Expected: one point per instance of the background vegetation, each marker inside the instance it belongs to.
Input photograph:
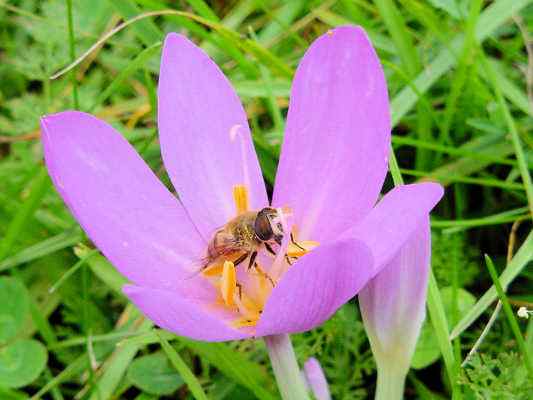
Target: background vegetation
(460, 78)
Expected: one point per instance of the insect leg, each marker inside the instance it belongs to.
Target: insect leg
(260, 271)
(252, 260)
(269, 249)
(296, 244)
(241, 259)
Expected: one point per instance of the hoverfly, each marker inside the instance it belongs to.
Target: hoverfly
(244, 236)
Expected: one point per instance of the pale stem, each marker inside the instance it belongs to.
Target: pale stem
(286, 370)
(390, 383)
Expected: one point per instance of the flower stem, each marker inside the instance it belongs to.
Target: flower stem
(285, 367)
(390, 384)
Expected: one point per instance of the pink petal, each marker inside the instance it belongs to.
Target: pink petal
(119, 202)
(198, 109)
(394, 219)
(315, 287)
(316, 379)
(334, 155)
(393, 303)
(183, 316)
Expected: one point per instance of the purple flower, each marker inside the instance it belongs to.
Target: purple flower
(316, 380)
(393, 309)
(332, 166)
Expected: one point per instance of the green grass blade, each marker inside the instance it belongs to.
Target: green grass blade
(137, 63)
(379, 40)
(45, 247)
(102, 268)
(71, 271)
(399, 34)
(234, 365)
(203, 9)
(510, 316)
(38, 188)
(411, 62)
(501, 218)
(490, 19)
(456, 151)
(522, 257)
(115, 367)
(509, 89)
(72, 51)
(461, 75)
(145, 29)
(440, 327)
(446, 179)
(519, 151)
(177, 362)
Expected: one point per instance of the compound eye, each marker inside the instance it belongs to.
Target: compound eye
(262, 228)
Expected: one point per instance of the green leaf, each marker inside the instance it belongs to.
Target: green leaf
(14, 307)
(21, 363)
(154, 374)
(427, 348)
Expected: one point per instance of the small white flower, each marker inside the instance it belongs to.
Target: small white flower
(523, 312)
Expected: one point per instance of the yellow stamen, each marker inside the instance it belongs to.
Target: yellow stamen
(243, 323)
(246, 299)
(247, 307)
(228, 284)
(241, 198)
(300, 249)
(287, 211)
(263, 285)
(214, 269)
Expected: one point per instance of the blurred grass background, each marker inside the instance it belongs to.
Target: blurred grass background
(460, 77)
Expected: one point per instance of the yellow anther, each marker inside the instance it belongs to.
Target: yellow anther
(214, 269)
(241, 198)
(299, 249)
(246, 298)
(287, 211)
(243, 323)
(228, 284)
(265, 284)
(247, 307)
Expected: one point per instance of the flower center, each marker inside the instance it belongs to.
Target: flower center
(249, 255)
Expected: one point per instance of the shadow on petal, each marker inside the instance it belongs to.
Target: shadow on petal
(190, 317)
(316, 286)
